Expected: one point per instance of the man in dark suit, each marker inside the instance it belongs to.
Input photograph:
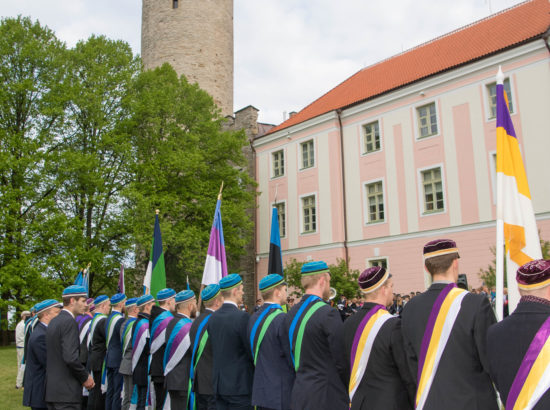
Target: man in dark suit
(527, 329)
(233, 368)
(125, 368)
(201, 372)
(270, 348)
(35, 377)
(97, 349)
(161, 315)
(379, 375)
(177, 355)
(113, 356)
(460, 373)
(65, 375)
(140, 350)
(84, 321)
(318, 348)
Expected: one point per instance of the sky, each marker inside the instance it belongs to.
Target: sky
(288, 53)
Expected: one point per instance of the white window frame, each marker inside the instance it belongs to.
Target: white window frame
(271, 159)
(486, 104)
(301, 154)
(364, 137)
(366, 212)
(301, 198)
(368, 261)
(418, 137)
(286, 215)
(421, 190)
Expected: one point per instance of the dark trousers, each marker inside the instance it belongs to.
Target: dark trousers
(96, 399)
(178, 399)
(64, 406)
(233, 403)
(128, 387)
(160, 393)
(142, 397)
(114, 388)
(206, 402)
(39, 408)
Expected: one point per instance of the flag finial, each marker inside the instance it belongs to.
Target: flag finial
(220, 193)
(157, 211)
(500, 76)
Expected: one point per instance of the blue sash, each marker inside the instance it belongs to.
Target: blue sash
(297, 317)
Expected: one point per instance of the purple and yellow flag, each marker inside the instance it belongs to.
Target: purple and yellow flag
(514, 206)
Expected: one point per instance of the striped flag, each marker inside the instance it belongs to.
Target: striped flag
(275, 264)
(120, 288)
(82, 279)
(155, 277)
(215, 267)
(514, 206)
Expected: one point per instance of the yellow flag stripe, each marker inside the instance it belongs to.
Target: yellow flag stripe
(510, 162)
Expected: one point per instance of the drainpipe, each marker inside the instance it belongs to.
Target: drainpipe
(339, 115)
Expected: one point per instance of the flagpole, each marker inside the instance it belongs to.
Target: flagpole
(499, 273)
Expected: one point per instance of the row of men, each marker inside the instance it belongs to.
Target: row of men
(445, 351)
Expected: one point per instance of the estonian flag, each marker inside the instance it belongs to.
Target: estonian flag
(275, 264)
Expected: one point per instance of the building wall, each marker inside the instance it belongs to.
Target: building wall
(463, 148)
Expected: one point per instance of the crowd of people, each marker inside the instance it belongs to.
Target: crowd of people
(440, 349)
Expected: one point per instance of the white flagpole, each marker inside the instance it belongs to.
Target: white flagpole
(499, 303)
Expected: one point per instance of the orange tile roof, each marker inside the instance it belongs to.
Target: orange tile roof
(509, 28)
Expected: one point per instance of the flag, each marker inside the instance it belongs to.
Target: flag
(120, 288)
(215, 267)
(82, 279)
(188, 287)
(514, 206)
(155, 277)
(275, 264)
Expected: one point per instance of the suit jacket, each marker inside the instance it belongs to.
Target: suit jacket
(203, 371)
(233, 369)
(97, 350)
(156, 369)
(323, 376)
(462, 379)
(126, 362)
(113, 357)
(274, 374)
(178, 378)
(82, 320)
(141, 371)
(35, 369)
(387, 382)
(64, 372)
(518, 331)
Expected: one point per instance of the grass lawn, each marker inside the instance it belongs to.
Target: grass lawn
(12, 399)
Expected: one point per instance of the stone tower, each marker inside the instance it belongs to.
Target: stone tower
(196, 38)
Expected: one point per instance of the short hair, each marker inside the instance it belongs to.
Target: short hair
(440, 264)
(309, 281)
(164, 302)
(268, 294)
(226, 293)
(67, 299)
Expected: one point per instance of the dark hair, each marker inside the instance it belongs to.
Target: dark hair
(440, 264)
(67, 299)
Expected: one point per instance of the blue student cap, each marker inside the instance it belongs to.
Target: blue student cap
(165, 294)
(271, 281)
(131, 302)
(116, 299)
(314, 268)
(143, 300)
(74, 291)
(230, 281)
(100, 299)
(210, 292)
(184, 296)
(46, 304)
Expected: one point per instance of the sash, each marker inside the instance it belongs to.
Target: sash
(84, 330)
(296, 347)
(177, 345)
(158, 330)
(97, 317)
(440, 324)
(29, 326)
(141, 333)
(198, 347)
(362, 344)
(533, 377)
(126, 334)
(109, 329)
(265, 325)
(261, 316)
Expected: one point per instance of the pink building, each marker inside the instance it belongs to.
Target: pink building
(403, 152)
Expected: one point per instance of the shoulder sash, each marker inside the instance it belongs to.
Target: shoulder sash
(141, 333)
(533, 377)
(84, 330)
(110, 326)
(126, 334)
(440, 324)
(158, 330)
(259, 319)
(363, 341)
(265, 326)
(97, 318)
(177, 344)
(198, 347)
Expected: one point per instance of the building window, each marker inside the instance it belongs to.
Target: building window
(282, 218)
(433, 190)
(174, 4)
(278, 160)
(372, 137)
(309, 214)
(427, 120)
(383, 262)
(375, 202)
(308, 156)
(492, 94)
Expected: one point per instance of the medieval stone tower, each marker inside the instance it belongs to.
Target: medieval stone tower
(196, 38)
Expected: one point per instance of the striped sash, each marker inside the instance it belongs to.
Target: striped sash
(177, 344)
(362, 344)
(141, 333)
(158, 330)
(265, 320)
(198, 347)
(533, 377)
(112, 320)
(97, 318)
(311, 305)
(440, 324)
(126, 334)
(84, 330)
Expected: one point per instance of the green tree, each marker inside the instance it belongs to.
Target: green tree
(182, 156)
(32, 101)
(343, 279)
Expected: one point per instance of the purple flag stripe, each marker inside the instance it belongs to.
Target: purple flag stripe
(527, 363)
(179, 337)
(430, 327)
(359, 332)
(503, 115)
(162, 326)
